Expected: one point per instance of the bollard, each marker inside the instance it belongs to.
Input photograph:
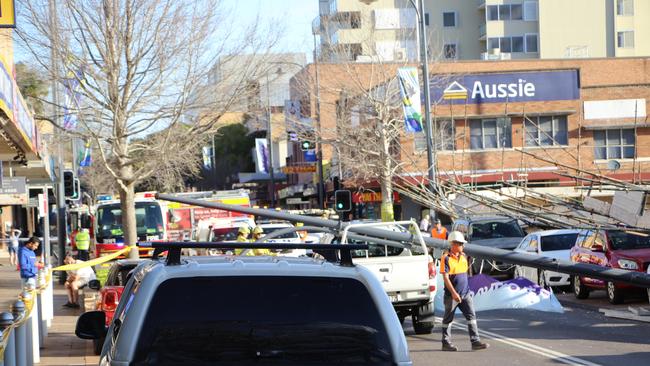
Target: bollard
(39, 320)
(34, 322)
(6, 320)
(29, 342)
(18, 311)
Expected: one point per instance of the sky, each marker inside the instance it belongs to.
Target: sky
(295, 15)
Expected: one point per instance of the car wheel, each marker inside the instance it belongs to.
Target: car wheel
(614, 294)
(423, 319)
(581, 291)
(98, 344)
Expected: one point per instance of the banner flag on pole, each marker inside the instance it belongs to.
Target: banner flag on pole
(207, 157)
(409, 87)
(262, 155)
(85, 159)
(71, 100)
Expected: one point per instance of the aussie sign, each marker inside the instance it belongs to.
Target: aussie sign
(510, 87)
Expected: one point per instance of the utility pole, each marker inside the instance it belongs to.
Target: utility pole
(269, 137)
(60, 196)
(319, 144)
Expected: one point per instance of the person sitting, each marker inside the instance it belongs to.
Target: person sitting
(77, 279)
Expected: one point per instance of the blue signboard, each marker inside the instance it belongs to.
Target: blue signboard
(510, 87)
(310, 155)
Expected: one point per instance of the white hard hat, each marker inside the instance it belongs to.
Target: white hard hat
(457, 236)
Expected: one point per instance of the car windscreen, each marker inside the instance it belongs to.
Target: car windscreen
(225, 234)
(268, 230)
(558, 242)
(496, 229)
(622, 240)
(262, 319)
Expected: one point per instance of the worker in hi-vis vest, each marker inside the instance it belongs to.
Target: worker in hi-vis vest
(82, 241)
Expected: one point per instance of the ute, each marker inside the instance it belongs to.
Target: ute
(407, 274)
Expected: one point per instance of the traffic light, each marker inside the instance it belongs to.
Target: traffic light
(342, 201)
(68, 184)
(306, 145)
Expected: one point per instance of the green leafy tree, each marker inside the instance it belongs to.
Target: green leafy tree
(32, 85)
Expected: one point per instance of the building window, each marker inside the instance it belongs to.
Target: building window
(443, 139)
(530, 10)
(625, 39)
(531, 43)
(493, 43)
(493, 12)
(449, 19)
(516, 12)
(450, 51)
(625, 7)
(426, 19)
(546, 131)
(504, 12)
(492, 133)
(614, 144)
(517, 44)
(506, 44)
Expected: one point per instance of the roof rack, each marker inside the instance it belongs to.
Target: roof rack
(173, 249)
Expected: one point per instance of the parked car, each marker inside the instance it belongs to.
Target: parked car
(250, 310)
(614, 248)
(495, 232)
(111, 292)
(549, 243)
(407, 275)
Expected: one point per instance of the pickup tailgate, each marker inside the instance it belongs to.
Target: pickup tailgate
(402, 273)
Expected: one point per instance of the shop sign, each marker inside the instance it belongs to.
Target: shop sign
(14, 191)
(368, 197)
(296, 201)
(296, 169)
(509, 87)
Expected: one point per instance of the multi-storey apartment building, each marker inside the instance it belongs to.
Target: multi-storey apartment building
(358, 30)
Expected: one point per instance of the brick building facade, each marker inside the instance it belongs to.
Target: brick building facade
(602, 128)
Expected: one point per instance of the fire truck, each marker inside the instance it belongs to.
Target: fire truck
(184, 219)
(150, 218)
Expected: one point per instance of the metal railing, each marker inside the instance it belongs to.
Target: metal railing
(24, 328)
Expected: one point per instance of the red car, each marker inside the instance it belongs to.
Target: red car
(111, 292)
(622, 249)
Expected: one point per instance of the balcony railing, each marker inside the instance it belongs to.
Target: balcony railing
(495, 56)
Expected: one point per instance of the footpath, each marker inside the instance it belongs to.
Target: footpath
(61, 346)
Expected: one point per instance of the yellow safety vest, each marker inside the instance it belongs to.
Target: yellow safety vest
(82, 240)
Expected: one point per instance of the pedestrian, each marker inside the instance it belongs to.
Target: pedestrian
(439, 231)
(76, 279)
(82, 241)
(424, 223)
(242, 237)
(14, 237)
(258, 233)
(27, 262)
(454, 268)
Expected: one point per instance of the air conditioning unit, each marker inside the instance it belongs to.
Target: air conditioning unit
(400, 54)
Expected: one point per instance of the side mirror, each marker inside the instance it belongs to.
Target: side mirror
(95, 285)
(597, 248)
(173, 218)
(91, 325)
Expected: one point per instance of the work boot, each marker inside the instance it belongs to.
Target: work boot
(478, 345)
(449, 347)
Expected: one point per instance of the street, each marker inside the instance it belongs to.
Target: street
(578, 337)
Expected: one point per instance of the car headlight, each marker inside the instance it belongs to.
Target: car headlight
(627, 264)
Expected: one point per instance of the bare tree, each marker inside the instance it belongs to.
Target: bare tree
(141, 66)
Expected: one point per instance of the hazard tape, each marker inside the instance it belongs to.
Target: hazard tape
(93, 262)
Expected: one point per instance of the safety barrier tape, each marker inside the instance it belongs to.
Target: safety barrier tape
(93, 262)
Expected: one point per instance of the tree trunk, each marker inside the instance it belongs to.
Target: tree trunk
(387, 213)
(129, 227)
(385, 178)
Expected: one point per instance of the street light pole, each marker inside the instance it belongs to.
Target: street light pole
(319, 144)
(269, 141)
(424, 58)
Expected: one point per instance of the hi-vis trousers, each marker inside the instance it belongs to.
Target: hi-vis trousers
(466, 306)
